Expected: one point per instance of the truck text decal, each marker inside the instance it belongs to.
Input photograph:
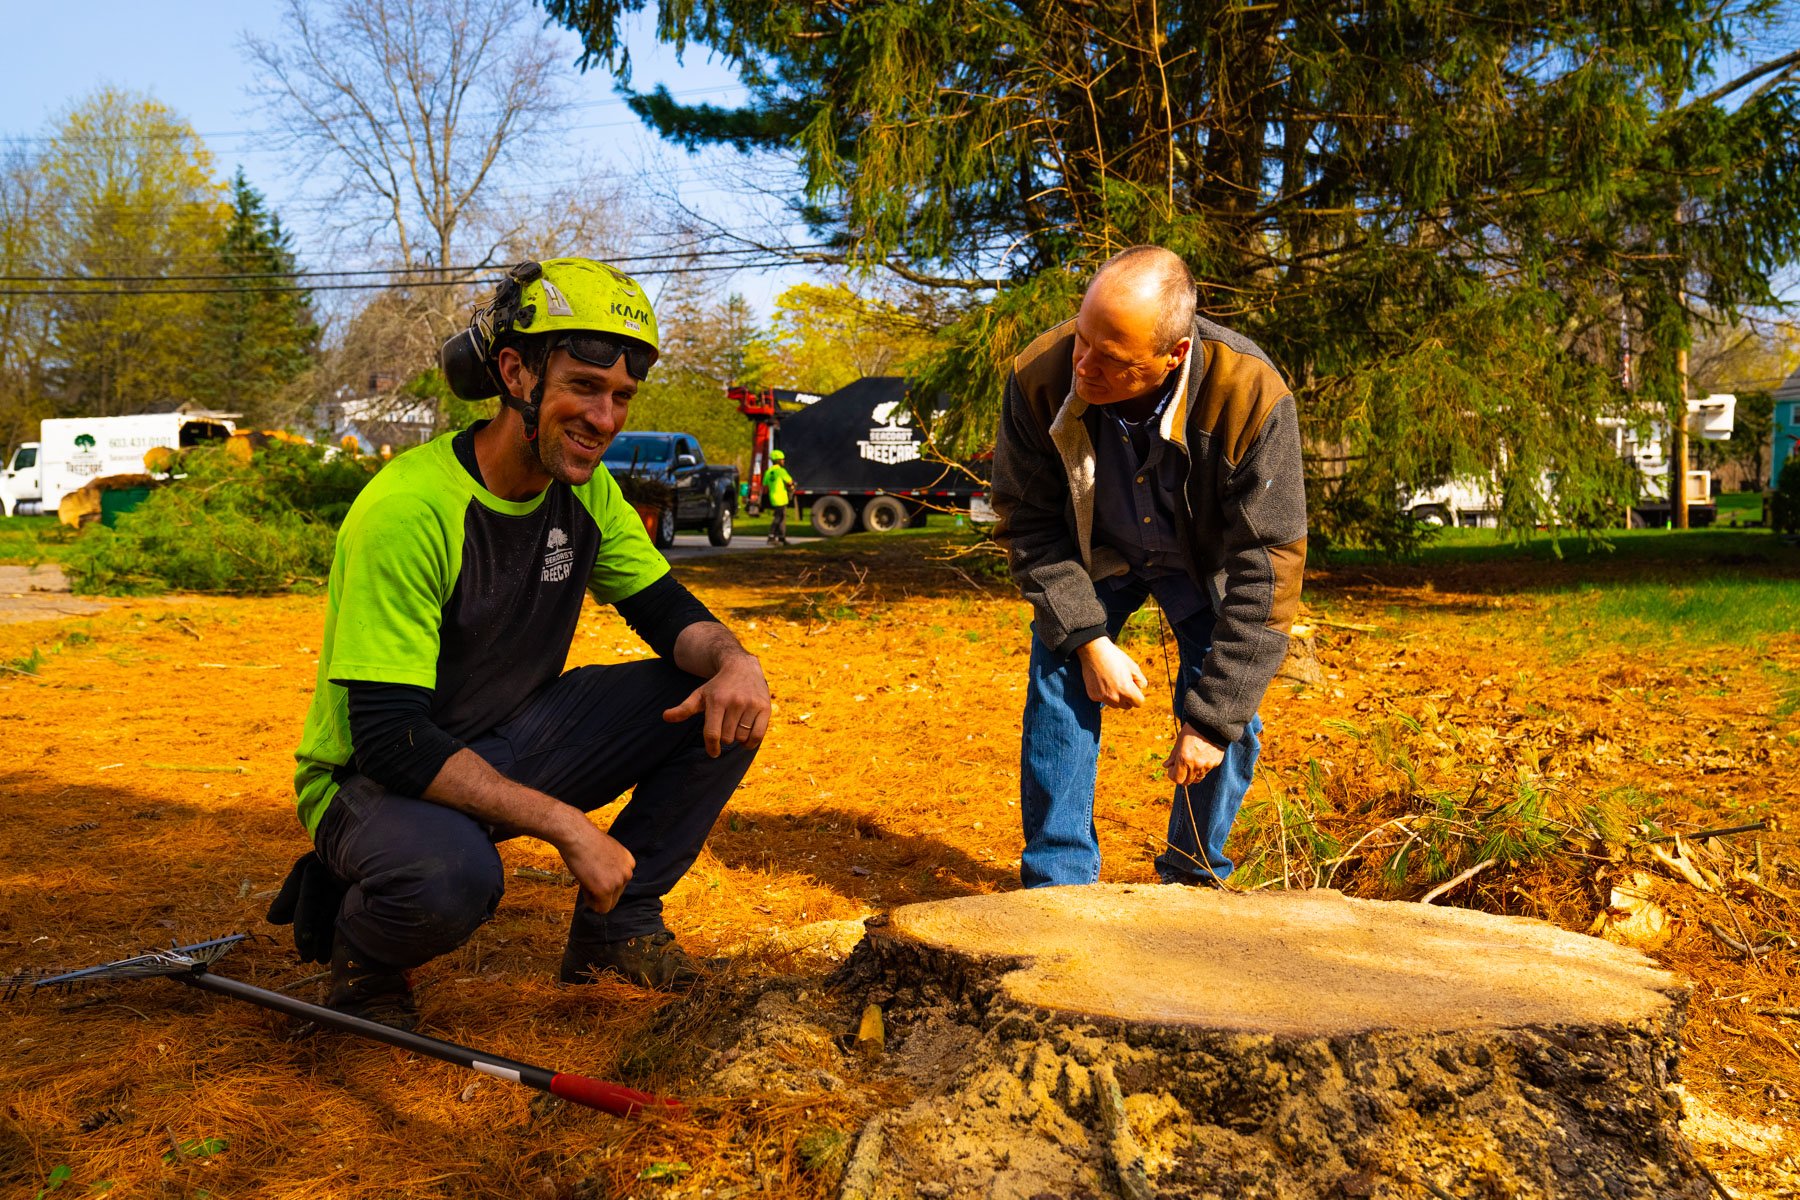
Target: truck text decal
(892, 442)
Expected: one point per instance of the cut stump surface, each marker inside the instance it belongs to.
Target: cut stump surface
(1139, 1041)
(1313, 963)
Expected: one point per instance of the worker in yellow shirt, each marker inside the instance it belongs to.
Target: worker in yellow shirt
(778, 490)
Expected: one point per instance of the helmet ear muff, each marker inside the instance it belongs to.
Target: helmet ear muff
(467, 369)
(468, 359)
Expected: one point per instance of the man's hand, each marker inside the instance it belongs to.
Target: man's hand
(735, 701)
(1192, 757)
(600, 865)
(1112, 678)
(469, 784)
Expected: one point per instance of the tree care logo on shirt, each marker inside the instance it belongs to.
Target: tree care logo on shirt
(559, 558)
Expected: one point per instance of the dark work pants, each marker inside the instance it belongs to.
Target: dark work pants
(424, 877)
(778, 530)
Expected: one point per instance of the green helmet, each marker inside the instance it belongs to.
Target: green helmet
(571, 294)
(595, 311)
(778, 455)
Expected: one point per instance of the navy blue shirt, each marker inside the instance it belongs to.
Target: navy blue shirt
(1137, 486)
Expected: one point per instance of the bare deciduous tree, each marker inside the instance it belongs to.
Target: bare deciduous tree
(411, 108)
(25, 324)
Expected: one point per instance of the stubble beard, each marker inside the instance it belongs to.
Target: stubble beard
(549, 455)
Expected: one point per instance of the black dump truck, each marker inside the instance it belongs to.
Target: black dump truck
(667, 471)
(859, 461)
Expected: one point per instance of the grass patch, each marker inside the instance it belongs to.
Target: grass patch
(1458, 547)
(1787, 688)
(1729, 608)
(1740, 508)
(27, 541)
(29, 664)
(1406, 804)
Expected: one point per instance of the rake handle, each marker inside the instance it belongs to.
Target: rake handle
(612, 1098)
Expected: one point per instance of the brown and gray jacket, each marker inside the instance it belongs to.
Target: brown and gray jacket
(1243, 523)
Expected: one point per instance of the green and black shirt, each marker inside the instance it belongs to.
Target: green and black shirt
(439, 584)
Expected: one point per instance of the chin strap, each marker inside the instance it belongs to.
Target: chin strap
(529, 407)
(529, 410)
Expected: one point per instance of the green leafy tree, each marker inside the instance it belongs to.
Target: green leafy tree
(130, 192)
(822, 337)
(705, 341)
(260, 334)
(1356, 187)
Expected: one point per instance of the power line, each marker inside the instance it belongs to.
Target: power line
(708, 172)
(176, 134)
(766, 264)
(475, 268)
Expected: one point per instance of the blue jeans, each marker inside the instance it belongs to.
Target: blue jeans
(1061, 748)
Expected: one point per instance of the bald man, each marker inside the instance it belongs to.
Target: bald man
(1144, 451)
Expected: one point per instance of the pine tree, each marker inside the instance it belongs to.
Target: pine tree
(1433, 216)
(260, 333)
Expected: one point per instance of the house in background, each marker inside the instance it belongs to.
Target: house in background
(376, 421)
(1785, 432)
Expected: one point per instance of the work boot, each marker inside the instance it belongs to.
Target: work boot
(1184, 879)
(374, 991)
(652, 961)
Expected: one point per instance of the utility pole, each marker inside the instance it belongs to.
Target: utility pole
(1678, 439)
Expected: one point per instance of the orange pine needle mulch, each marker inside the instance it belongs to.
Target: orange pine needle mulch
(146, 796)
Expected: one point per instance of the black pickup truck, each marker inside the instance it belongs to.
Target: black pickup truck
(668, 470)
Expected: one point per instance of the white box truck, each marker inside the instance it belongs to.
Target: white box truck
(1474, 501)
(71, 451)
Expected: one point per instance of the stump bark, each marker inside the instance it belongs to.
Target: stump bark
(1139, 1041)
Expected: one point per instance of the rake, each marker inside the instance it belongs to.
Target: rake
(191, 965)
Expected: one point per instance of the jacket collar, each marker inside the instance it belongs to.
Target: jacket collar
(1068, 432)
(1174, 422)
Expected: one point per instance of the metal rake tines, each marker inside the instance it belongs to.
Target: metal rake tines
(174, 961)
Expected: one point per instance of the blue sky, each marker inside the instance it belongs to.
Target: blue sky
(188, 55)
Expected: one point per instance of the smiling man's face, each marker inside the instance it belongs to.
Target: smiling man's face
(584, 409)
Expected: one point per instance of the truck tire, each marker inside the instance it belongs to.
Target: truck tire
(1435, 515)
(883, 514)
(665, 527)
(718, 531)
(832, 516)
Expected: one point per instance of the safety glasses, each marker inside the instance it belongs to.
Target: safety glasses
(604, 351)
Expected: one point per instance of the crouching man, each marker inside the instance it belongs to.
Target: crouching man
(443, 721)
(1144, 451)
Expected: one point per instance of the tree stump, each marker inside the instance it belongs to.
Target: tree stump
(1140, 1041)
